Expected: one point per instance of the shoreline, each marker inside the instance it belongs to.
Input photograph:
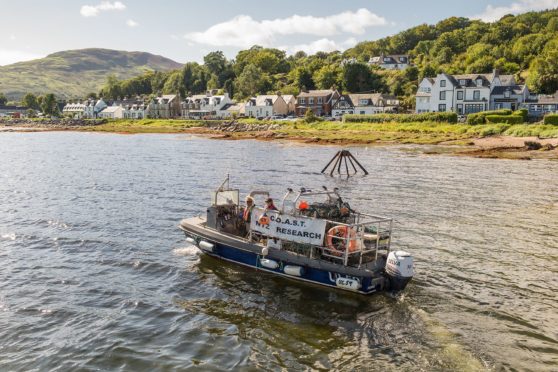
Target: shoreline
(493, 146)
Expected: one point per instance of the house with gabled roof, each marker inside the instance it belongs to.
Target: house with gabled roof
(463, 94)
(264, 106)
(319, 101)
(206, 106)
(166, 106)
(364, 104)
(391, 62)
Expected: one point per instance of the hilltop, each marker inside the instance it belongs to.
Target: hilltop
(75, 73)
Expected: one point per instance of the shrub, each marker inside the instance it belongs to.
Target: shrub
(439, 117)
(310, 117)
(524, 113)
(508, 119)
(480, 117)
(551, 119)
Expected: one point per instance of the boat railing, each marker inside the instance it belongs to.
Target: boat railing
(350, 244)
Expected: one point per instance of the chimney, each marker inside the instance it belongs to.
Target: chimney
(278, 93)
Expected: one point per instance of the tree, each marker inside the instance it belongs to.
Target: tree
(91, 95)
(30, 101)
(49, 105)
(174, 83)
(327, 77)
(357, 77)
(251, 81)
(3, 99)
(111, 89)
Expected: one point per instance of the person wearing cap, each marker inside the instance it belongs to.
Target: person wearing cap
(269, 206)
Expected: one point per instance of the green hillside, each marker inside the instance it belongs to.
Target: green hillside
(525, 45)
(75, 73)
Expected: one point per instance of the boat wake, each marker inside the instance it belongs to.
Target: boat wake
(190, 250)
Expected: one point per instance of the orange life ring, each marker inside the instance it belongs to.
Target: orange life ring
(336, 239)
(264, 220)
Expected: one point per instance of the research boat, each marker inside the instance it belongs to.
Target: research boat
(313, 236)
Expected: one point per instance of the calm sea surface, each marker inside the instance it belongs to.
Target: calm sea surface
(95, 275)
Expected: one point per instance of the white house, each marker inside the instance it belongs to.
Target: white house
(208, 106)
(266, 106)
(391, 62)
(364, 104)
(463, 94)
(166, 106)
(77, 110)
(424, 94)
(112, 112)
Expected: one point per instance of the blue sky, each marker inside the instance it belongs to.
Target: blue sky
(187, 30)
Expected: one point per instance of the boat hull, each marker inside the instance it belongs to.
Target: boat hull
(279, 263)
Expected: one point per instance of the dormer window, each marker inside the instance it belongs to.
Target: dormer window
(363, 102)
(462, 82)
(507, 94)
(479, 82)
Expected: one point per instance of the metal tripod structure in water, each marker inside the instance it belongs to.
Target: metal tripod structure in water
(343, 157)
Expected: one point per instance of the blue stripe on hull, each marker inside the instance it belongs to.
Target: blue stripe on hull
(310, 274)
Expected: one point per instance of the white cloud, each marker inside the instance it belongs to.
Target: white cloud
(12, 37)
(94, 10)
(321, 45)
(494, 13)
(131, 23)
(9, 56)
(243, 31)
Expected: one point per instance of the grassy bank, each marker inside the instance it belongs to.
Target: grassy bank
(419, 133)
(144, 126)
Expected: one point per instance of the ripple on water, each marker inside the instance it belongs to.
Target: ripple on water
(95, 274)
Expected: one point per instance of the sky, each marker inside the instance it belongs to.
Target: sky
(187, 30)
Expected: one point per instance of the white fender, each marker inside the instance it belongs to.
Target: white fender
(293, 270)
(206, 246)
(269, 264)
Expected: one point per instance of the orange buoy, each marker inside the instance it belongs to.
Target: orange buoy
(337, 237)
(264, 220)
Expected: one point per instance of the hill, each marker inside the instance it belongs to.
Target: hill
(75, 73)
(525, 45)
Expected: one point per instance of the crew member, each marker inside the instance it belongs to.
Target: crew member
(269, 206)
(247, 214)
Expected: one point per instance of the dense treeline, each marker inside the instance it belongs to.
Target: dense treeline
(525, 45)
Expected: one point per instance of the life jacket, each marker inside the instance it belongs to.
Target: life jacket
(246, 213)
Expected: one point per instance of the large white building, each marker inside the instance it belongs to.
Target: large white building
(207, 106)
(463, 94)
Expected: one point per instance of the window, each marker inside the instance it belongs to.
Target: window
(402, 59)
(442, 107)
(443, 95)
(460, 94)
(362, 112)
(363, 102)
(476, 95)
(442, 83)
(302, 101)
(311, 101)
(469, 109)
(462, 82)
(320, 100)
(479, 82)
(460, 109)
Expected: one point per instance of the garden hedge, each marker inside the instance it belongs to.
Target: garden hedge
(551, 119)
(506, 119)
(439, 117)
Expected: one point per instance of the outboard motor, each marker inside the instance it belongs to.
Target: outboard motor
(399, 270)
